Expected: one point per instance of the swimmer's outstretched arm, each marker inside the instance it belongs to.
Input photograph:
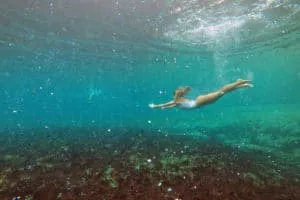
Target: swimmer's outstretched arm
(169, 104)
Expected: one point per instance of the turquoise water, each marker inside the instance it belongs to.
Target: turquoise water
(99, 63)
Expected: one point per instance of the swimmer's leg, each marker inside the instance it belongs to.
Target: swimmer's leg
(232, 86)
(212, 97)
(208, 98)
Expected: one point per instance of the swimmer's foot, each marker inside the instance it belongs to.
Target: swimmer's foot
(242, 81)
(245, 85)
(249, 85)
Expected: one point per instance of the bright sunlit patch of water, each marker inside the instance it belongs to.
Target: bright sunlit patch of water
(220, 24)
(224, 25)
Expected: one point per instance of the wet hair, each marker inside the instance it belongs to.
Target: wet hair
(181, 92)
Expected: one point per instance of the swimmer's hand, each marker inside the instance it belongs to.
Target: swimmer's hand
(151, 105)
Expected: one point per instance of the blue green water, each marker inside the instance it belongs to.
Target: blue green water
(100, 63)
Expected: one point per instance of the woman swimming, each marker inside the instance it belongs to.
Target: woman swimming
(181, 102)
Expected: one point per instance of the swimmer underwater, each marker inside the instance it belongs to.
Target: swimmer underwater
(181, 102)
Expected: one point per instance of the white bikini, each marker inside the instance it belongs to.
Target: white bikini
(187, 104)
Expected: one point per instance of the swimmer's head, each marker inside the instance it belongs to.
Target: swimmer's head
(181, 92)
